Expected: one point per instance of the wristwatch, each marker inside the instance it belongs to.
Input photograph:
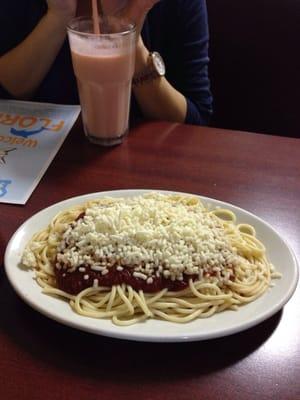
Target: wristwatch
(155, 69)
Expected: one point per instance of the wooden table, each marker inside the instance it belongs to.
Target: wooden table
(41, 359)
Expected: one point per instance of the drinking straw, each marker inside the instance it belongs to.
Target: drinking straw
(96, 21)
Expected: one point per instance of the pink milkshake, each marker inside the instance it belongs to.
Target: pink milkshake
(104, 66)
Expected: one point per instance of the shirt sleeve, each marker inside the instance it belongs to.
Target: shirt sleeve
(194, 60)
(8, 34)
(17, 19)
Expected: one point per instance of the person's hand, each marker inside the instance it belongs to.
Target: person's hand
(136, 11)
(62, 9)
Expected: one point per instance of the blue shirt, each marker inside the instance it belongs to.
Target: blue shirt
(177, 29)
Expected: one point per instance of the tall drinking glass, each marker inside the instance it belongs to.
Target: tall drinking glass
(104, 67)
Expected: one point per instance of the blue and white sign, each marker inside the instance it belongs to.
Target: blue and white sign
(30, 136)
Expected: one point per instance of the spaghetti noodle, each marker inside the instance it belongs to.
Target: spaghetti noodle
(151, 256)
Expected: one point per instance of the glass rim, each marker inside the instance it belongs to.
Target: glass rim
(131, 28)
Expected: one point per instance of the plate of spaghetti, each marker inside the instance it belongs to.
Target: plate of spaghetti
(151, 266)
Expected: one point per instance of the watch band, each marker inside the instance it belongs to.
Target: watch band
(149, 73)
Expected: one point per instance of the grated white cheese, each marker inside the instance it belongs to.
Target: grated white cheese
(153, 234)
(28, 258)
(95, 283)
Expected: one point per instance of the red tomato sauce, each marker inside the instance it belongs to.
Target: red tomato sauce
(74, 282)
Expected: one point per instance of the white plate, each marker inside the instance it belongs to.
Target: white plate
(222, 324)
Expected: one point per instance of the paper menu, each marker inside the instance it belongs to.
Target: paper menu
(30, 136)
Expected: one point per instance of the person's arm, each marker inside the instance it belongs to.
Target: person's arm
(188, 99)
(157, 98)
(23, 68)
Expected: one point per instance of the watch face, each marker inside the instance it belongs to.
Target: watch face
(159, 64)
